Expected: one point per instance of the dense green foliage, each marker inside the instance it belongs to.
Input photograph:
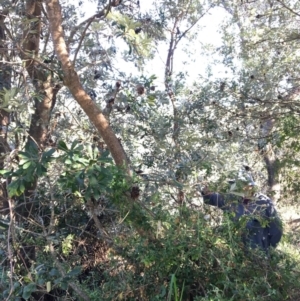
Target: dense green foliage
(73, 225)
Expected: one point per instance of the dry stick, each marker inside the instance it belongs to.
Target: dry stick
(96, 219)
(9, 249)
(52, 205)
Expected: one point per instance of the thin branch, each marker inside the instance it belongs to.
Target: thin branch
(81, 39)
(86, 22)
(288, 8)
(72, 284)
(190, 28)
(11, 237)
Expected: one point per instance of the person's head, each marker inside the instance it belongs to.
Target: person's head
(243, 186)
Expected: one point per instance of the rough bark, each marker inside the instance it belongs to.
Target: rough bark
(45, 88)
(270, 159)
(5, 83)
(72, 81)
(273, 174)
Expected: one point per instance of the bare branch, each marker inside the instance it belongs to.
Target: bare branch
(288, 8)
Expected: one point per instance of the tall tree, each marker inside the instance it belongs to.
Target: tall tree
(5, 85)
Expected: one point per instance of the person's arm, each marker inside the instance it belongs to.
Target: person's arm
(214, 199)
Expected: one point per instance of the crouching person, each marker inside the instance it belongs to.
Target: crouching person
(263, 227)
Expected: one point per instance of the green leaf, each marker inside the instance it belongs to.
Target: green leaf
(41, 170)
(23, 161)
(5, 172)
(90, 151)
(31, 149)
(16, 188)
(179, 185)
(151, 100)
(26, 164)
(68, 161)
(83, 161)
(75, 272)
(28, 290)
(53, 272)
(47, 155)
(64, 284)
(74, 144)
(3, 225)
(79, 149)
(24, 155)
(62, 146)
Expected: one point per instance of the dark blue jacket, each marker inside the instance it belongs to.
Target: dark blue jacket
(263, 227)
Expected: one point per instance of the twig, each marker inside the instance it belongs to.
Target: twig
(288, 8)
(73, 285)
(52, 216)
(9, 249)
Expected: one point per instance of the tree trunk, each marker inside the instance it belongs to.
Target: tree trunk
(42, 80)
(270, 159)
(5, 83)
(72, 81)
(45, 89)
(273, 177)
